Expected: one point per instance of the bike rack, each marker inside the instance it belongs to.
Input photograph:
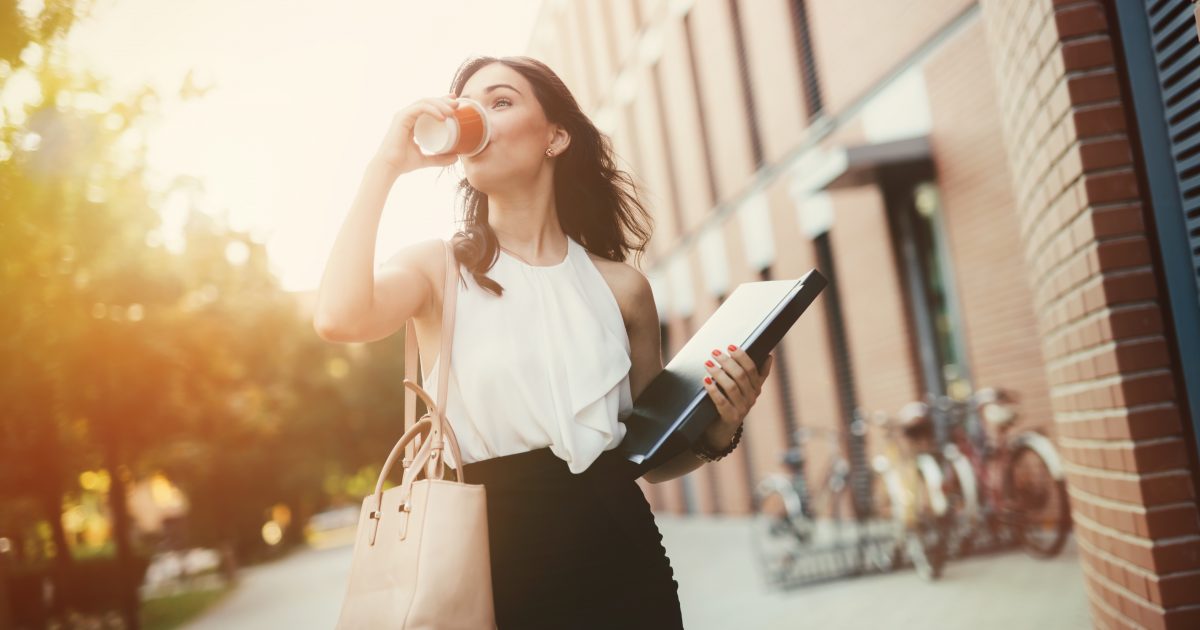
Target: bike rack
(856, 552)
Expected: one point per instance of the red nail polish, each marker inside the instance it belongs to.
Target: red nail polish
(709, 364)
(716, 353)
(732, 347)
(708, 380)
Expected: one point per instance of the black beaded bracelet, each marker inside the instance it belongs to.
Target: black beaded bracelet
(703, 452)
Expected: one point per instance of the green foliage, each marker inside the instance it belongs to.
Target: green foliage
(124, 354)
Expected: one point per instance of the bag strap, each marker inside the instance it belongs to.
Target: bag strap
(411, 357)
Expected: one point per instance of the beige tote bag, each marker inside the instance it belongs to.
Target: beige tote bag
(421, 550)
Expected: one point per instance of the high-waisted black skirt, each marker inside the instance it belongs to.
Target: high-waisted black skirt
(574, 550)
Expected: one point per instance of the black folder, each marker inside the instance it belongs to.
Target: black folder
(675, 408)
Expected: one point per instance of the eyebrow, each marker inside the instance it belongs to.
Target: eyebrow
(490, 88)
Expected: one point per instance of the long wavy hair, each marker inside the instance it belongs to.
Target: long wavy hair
(597, 203)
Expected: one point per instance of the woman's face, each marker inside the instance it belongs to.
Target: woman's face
(520, 133)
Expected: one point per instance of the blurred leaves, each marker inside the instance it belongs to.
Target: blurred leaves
(120, 352)
(18, 30)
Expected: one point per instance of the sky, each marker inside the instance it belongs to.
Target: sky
(300, 95)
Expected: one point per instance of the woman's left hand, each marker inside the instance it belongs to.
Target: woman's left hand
(740, 382)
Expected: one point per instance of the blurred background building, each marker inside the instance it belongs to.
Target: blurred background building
(1004, 193)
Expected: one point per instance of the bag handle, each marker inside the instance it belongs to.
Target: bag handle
(433, 425)
(376, 515)
(440, 426)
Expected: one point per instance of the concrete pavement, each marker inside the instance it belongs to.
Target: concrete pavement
(721, 589)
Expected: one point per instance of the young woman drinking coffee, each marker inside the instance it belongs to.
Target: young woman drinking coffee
(555, 335)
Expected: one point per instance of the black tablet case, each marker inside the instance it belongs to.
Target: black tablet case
(675, 408)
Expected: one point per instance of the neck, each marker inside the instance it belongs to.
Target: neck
(527, 223)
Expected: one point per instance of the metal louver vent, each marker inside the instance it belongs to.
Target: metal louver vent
(1177, 55)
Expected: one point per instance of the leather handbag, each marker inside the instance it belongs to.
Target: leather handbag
(421, 557)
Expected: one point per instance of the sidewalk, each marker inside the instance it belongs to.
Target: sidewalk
(720, 589)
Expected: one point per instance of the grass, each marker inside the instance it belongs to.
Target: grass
(164, 613)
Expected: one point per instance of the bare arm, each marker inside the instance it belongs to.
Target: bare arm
(734, 380)
(353, 302)
(349, 307)
(645, 345)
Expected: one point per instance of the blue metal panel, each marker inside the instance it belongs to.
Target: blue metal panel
(1162, 55)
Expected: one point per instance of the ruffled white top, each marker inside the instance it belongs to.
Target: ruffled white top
(545, 364)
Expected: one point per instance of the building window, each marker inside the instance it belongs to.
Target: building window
(756, 147)
(814, 105)
(914, 208)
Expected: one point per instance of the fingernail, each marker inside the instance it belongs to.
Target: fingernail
(716, 353)
(732, 347)
(707, 380)
(709, 364)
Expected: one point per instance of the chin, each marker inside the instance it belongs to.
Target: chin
(487, 178)
(480, 178)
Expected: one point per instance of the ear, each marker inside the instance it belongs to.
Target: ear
(559, 140)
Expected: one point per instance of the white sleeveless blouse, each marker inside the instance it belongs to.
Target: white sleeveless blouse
(545, 364)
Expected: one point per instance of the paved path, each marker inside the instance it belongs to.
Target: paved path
(720, 589)
(302, 590)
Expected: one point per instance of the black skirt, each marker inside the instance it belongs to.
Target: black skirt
(574, 550)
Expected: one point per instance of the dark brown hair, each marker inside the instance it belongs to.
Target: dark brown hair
(597, 203)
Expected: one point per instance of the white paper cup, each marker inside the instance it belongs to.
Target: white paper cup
(466, 132)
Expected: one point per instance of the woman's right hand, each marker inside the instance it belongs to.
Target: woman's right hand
(398, 152)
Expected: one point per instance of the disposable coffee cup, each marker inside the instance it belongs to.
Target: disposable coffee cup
(466, 132)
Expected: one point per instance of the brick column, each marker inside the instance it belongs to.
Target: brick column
(1100, 312)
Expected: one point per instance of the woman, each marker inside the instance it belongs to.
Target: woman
(554, 336)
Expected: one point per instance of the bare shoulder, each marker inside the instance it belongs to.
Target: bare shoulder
(631, 288)
(425, 257)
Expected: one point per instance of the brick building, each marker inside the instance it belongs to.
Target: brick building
(1005, 193)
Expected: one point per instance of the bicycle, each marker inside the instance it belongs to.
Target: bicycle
(788, 522)
(962, 508)
(1012, 488)
(788, 526)
(910, 496)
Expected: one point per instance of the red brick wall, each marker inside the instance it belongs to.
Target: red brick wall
(774, 71)
(978, 213)
(877, 329)
(857, 43)
(1099, 310)
(654, 174)
(683, 127)
(720, 88)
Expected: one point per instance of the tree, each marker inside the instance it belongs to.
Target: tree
(121, 353)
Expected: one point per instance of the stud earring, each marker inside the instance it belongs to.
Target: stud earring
(549, 152)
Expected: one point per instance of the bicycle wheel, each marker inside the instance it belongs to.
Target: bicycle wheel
(962, 496)
(1037, 507)
(778, 528)
(929, 524)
